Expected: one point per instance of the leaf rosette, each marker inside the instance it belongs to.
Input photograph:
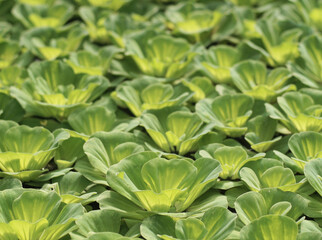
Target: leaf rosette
(53, 15)
(161, 185)
(175, 129)
(228, 113)
(299, 112)
(36, 214)
(54, 90)
(26, 151)
(145, 94)
(152, 54)
(231, 159)
(251, 78)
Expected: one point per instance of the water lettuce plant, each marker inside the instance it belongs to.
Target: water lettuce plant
(104, 150)
(231, 159)
(175, 129)
(121, 26)
(254, 205)
(161, 185)
(278, 45)
(300, 112)
(310, 12)
(54, 90)
(217, 62)
(145, 94)
(159, 56)
(36, 214)
(201, 87)
(305, 146)
(52, 15)
(260, 133)
(48, 44)
(193, 21)
(273, 177)
(252, 79)
(26, 151)
(98, 118)
(229, 113)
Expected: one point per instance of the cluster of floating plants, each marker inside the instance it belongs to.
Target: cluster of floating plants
(161, 119)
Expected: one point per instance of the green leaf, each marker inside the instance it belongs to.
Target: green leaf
(143, 95)
(156, 186)
(201, 87)
(47, 44)
(216, 223)
(9, 183)
(217, 62)
(157, 93)
(313, 173)
(306, 145)
(31, 206)
(273, 196)
(160, 174)
(92, 120)
(157, 225)
(212, 198)
(47, 94)
(37, 214)
(248, 74)
(250, 206)
(28, 230)
(253, 205)
(69, 152)
(10, 109)
(131, 98)
(190, 228)
(219, 223)
(6, 232)
(27, 140)
(261, 130)
(208, 171)
(55, 73)
(277, 176)
(91, 63)
(280, 208)
(270, 227)
(167, 180)
(98, 221)
(8, 53)
(113, 201)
